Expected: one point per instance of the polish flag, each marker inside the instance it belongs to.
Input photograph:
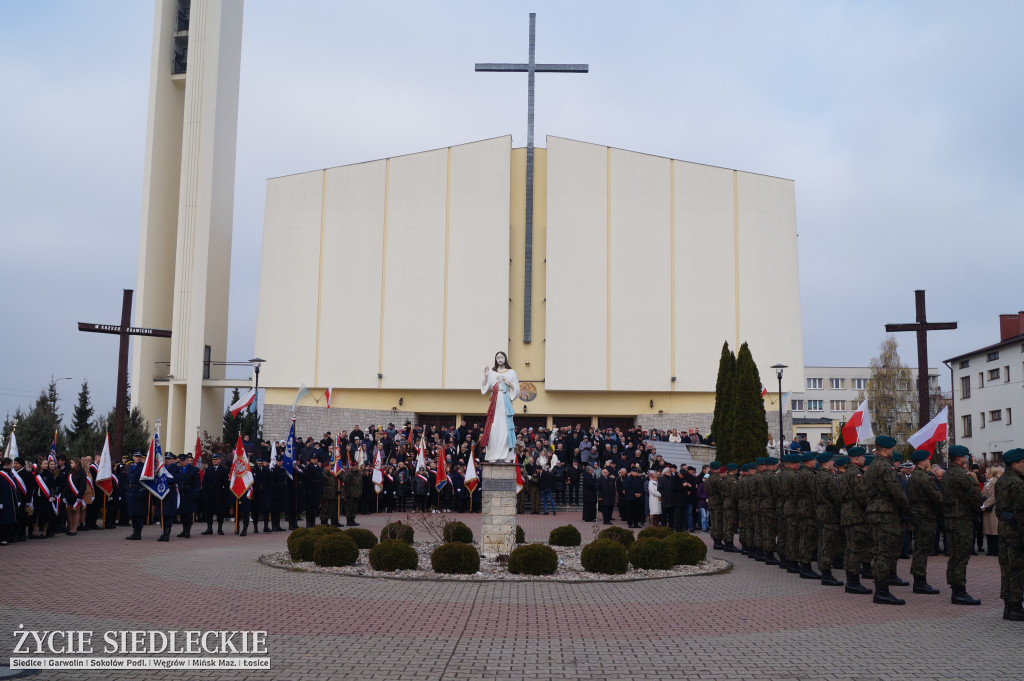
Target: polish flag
(327, 394)
(197, 459)
(421, 462)
(241, 472)
(104, 477)
(933, 433)
(244, 401)
(377, 477)
(442, 470)
(519, 479)
(764, 390)
(858, 428)
(472, 480)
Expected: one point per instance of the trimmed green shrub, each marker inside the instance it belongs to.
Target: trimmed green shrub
(566, 535)
(605, 556)
(364, 539)
(391, 555)
(323, 530)
(689, 549)
(455, 558)
(655, 532)
(520, 535)
(294, 536)
(619, 534)
(301, 548)
(335, 550)
(457, 531)
(397, 530)
(652, 554)
(533, 559)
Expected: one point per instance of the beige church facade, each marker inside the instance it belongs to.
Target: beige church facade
(395, 281)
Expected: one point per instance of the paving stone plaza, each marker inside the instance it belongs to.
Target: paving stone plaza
(751, 622)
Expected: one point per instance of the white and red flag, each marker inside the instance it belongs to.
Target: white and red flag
(442, 470)
(933, 433)
(472, 479)
(241, 472)
(327, 394)
(421, 461)
(104, 475)
(858, 428)
(243, 401)
(197, 458)
(519, 479)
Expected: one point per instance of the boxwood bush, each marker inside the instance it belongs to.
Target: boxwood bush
(655, 532)
(457, 531)
(652, 554)
(689, 549)
(364, 539)
(605, 556)
(566, 535)
(619, 534)
(301, 548)
(391, 555)
(455, 558)
(335, 550)
(533, 559)
(397, 530)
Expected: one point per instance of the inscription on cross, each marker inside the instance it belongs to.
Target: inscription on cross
(531, 68)
(124, 330)
(922, 326)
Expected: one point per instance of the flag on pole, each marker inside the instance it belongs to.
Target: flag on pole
(327, 394)
(303, 391)
(154, 474)
(933, 433)
(471, 477)
(408, 436)
(288, 462)
(377, 477)
(244, 401)
(52, 456)
(12, 447)
(442, 470)
(336, 461)
(421, 461)
(858, 428)
(104, 476)
(197, 458)
(519, 479)
(241, 472)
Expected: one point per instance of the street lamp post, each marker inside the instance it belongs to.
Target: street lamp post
(256, 363)
(778, 373)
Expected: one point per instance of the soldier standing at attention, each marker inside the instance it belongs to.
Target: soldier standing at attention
(925, 511)
(887, 503)
(1010, 512)
(806, 512)
(730, 507)
(789, 531)
(854, 518)
(828, 507)
(312, 479)
(188, 488)
(715, 502)
(138, 497)
(215, 490)
(329, 497)
(961, 499)
(353, 482)
(769, 517)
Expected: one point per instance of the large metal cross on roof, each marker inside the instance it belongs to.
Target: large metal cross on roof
(531, 68)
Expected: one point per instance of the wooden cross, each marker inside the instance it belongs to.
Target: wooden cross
(922, 327)
(531, 68)
(124, 330)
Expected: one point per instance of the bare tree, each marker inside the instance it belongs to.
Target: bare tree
(891, 393)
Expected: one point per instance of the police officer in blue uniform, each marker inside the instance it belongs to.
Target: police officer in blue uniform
(138, 497)
(188, 488)
(215, 489)
(169, 504)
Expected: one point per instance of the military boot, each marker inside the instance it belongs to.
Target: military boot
(1013, 612)
(220, 527)
(743, 550)
(718, 546)
(770, 559)
(883, 596)
(853, 585)
(921, 586)
(186, 532)
(896, 580)
(758, 554)
(866, 572)
(961, 597)
(255, 525)
(266, 525)
(165, 535)
(793, 567)
(350, 521)
(828, 580)
(245, 527)
(729, 547)
(807, 573)
(209, 528)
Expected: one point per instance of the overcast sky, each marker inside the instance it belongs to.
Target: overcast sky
(900, 123)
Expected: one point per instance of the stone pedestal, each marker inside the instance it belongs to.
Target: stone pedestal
(498, 525)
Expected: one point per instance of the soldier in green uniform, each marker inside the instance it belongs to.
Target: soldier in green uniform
(353, 490)
(1010, 512)
(760, 512)
(329, 500)
(716, 501)
(828, 505)
(730, 507)
(788, 481)
(887, 503)
(854, 519)
(961, 500)
(806, 512)
(743, 508)
(769, 516)
(925, 511)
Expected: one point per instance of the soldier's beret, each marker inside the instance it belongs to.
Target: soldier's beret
(856, 451)
(759, 461)
(897, 457)
(731, 466)
(1012, 456)
(842, 460)
(791, 458)
(885, 442)
(808, 456)
(714, 465)
(750, 466)
(825, 456)
(960, 450)
(921, 455)
(868, 459)
(770, 461)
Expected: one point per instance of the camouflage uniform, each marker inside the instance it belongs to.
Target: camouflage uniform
(329, 500)
(715, 490)
(788, 482)
(806, 512)
(779, 534)
(730, 508)
(1010, 512)
(353, 490)
(828, 508)
(766, 505)
(854, 520)
(744, 505)
(961, 498)
(887, 503)
(925, 511)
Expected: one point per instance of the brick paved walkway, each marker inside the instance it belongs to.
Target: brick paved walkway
(752, 622)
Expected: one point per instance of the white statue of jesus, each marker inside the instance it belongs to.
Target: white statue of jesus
(499, 433)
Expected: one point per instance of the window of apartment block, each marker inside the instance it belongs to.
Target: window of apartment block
(981, 420)
(993, 374)
(964, 363)
(1009, 416)
(836, 383)
(995, 415)
(815, 383)
(993, 356)
(837, 405)
(966, 425)
(965, 387)
(798, 405)
(1006, 374)
(860, 384)
(981, 379)
(815, 405)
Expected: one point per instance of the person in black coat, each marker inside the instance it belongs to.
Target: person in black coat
(572, 482)
(668, 496)
(634, 486)
(262, 500)
(169, 504)
(281, 497)
(138, 497)
(606, 493)
(188, 487)
(312, 485)
(588, 483)
(215, 491)
(680, 499)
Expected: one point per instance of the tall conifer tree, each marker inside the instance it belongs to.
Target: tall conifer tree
(723, 398)
(748, 424)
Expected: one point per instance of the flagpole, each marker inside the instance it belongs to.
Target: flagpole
(236, 515)
(104, 510)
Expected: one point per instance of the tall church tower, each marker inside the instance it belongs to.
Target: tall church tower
(187, 205)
